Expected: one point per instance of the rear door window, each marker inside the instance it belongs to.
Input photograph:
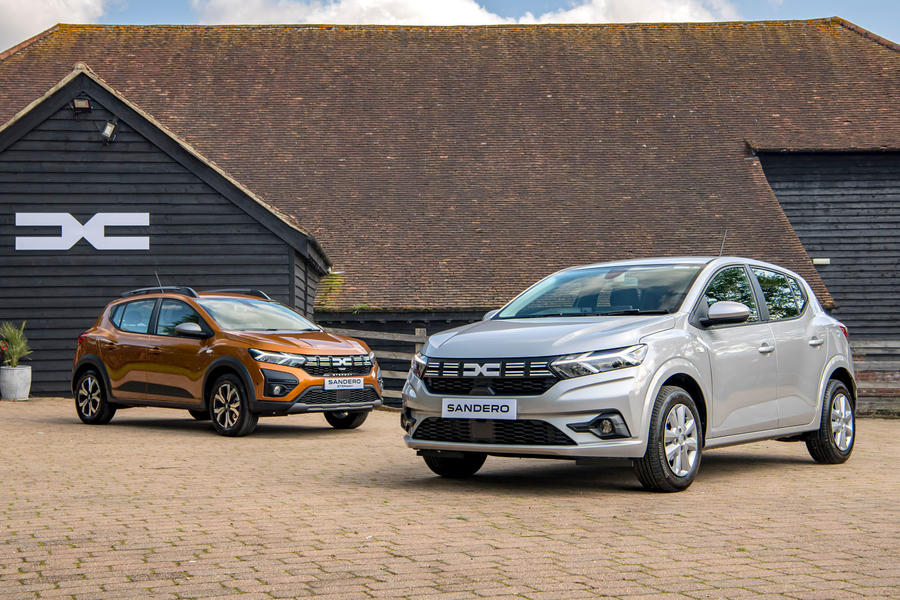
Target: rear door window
(135, 316)
(733, 285)
(779, 296)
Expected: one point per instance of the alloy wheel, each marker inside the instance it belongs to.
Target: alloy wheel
(227, 405)
(89, 396)
(842, 422)
(681, 440)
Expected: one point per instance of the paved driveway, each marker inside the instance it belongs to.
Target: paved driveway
(156, 505)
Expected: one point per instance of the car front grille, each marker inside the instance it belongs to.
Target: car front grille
(527, 386)
(338, 366)
(320, 396)
(490, 377)
(523, 432)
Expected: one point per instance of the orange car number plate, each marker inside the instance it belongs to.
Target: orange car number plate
(343, 383)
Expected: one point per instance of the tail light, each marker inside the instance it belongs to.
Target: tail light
(81, 338)
(844, 331)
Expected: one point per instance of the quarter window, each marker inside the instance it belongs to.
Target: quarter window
(733, 285)
(135, 316)
(115, 315)
(173, 313)
(779, 296)
(799, 293)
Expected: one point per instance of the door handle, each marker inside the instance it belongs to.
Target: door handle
(765, 348)
(155, 350)
(816, 341)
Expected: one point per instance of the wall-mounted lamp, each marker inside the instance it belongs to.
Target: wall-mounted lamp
(81, 105)
(109, 131)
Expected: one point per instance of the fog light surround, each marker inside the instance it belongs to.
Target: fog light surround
(607, 425)
(407, 421)
(278, 384)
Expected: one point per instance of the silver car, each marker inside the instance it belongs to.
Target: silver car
(651, 360)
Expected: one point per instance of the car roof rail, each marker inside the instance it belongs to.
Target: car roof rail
(245, 291)
(161, 289)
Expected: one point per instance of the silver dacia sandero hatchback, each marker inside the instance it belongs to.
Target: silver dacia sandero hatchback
(652, 360)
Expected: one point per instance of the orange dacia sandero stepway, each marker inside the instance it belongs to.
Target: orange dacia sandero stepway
(226, 355)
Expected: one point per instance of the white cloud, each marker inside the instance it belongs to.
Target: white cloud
(21, 19)
(646, 11)
(453, 12)
(384, 12)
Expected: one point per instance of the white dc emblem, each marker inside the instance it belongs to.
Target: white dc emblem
(94, 231)
(485, 370)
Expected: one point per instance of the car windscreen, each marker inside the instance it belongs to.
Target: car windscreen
(247, 314)
(605, 290)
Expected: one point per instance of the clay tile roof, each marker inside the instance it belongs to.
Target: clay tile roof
(449, 167)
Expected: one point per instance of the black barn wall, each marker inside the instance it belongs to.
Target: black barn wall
(846, 207)
(197, 237)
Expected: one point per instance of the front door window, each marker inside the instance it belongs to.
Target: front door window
(733, 285)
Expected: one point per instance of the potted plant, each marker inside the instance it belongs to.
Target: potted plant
(15, 379)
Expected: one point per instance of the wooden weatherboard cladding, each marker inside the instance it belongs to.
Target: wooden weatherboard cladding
(201, 232)
(845, 207)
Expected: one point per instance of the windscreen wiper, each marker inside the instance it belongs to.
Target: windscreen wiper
(615, 313)
(632, 311)
(544, 315)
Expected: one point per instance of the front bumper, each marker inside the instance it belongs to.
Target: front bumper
(318, 399)
(307, 392)
(569, 402)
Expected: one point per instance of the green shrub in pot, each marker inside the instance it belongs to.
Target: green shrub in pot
(15, 379)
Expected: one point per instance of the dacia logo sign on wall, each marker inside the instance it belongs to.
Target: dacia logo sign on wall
(94, 231)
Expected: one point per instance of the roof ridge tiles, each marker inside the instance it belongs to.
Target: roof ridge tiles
(836, 20)
(511, 26)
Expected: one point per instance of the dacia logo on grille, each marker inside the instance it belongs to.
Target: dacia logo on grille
(341, 362)
(484, 370)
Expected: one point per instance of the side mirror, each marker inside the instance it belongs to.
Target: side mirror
(490, 315)
(725, 312)
(190, 330)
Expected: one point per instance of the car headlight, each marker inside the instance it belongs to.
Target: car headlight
(419, 364)
(372, 357)
(278, 358)
(590, 363)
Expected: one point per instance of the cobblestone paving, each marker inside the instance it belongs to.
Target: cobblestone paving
(154, 505)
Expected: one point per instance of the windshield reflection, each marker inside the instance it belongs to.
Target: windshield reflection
(607, 290)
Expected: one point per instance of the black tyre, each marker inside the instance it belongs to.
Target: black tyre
(200, 415)
(455, 466)
(346, 419)
(229, 407)
(675, 444)
(91, 402)
(833, 442)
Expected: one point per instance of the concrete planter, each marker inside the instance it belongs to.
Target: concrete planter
(15, 383)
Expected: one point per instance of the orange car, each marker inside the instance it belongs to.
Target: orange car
(226, 355)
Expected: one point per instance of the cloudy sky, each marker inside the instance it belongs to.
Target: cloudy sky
(20, 19)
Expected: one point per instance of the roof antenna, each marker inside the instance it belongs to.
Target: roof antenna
(724, 237)
(160, 282)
